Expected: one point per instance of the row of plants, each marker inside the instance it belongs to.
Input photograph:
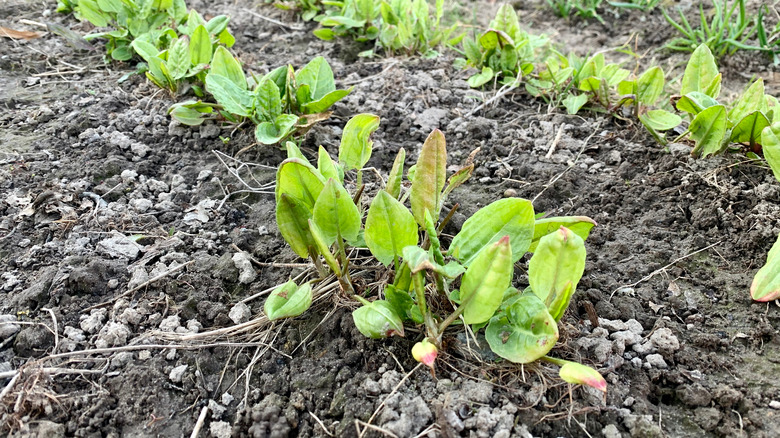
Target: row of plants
(190, 57)
(320, 219)
(433, 285)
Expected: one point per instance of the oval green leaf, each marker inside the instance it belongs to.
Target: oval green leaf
(378, 320)
(389, 228)
(288, 300)
(513, 217)
(555, 269)
(429, 177)
(524, 333)
(336, 214)
(482, 286)
(355, 148)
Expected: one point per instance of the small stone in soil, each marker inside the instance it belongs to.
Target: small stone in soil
(177, 373)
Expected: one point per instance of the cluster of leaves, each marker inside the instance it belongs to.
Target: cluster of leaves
(320, 219)
(308, 9)
(280, 103)
(728, 30)
(393, 25)
(183, 53)
(504, 51)
(581, 8)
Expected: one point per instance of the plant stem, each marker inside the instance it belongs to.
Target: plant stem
(419, 288)
(559, 362)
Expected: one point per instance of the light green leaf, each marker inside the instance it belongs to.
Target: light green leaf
(233, 99)
(748, 130)
(660, 120)
(355, 148)
(751, 100)
(224, 64)
(708, 130)
(200, 46)
(288, 300)
(89, 10)
(482, 286)
(701, 73)
(322, 104)
(389, 228)
(481, 78)
(506, 21)
(429, 177)
(396, 175)
(300, 180)
(272, 133)
(555, 269)
(335, 213)
(378, 320)
(326, 166)
(513, 217)
(178, 58)
(292, 219)
(268, 101)
(524, 333)
(770, 140)
(766, 283)
(578, 374)
(695, 102)
(318, 76)
(579, 225)
(650, 86)
(573, 103)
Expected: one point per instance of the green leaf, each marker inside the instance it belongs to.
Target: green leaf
(233, 99)
(524, 333)
(396, 175)
(226, 38)
(482, 78)
(327, 168)
(389, 228)
(355, 148)
(650, 86)
(573, 103)
(506, 21)
(513, 217)
(751, 100)
(268, 101)
(378, 320)
(579, 225)
(324, 34)
(272, 133)
(695, 102)
(300, 180)
(708, 130)
(224, 64)
(145, 50)
(322, 104)
(766, 283)
(178, 58)
(555, 269)
(578, 374)
(770, 140)
(403, 304)
(458, 178)
(482, 286)
(429, 177)
(335, 213)
(292, 218)
(318, 76)
(89, 10)
(200, 46)
(287, 301)
(190, 112)
(216, 25)
(749, 129)
(342, 21)
(701, 73)
(660, 120)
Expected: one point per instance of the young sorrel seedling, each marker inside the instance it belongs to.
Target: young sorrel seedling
(394, 25)
(320, 219)
(503, 51)
(279, 104)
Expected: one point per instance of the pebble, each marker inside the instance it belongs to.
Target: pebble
(240, 313)
(774, 404)
(8, 327)
(170, 324)
(177, 373)
(119, 246)
(221, 429)
(665, 341)
(655, 361)
(243, 263)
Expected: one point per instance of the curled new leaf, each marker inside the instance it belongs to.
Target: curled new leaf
(770, 140)
(524, 333)
(355, 149)
(336, 214)
(579, 225)
(389, 228)
(288, 300)
(378, 320)
(396, 175)
(701, 73)
(766, 283)
(300, 180)
(555, 269)
(513, 217)
(429, 177)
(579, 374)
(482, 286)
(292, 216)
